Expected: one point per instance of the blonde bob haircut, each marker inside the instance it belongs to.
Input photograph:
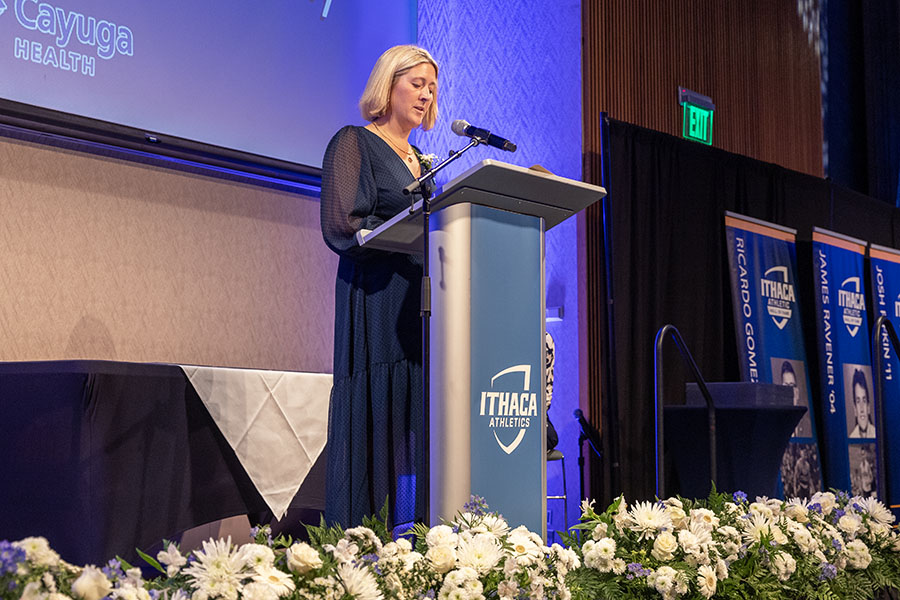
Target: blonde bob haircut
(389, 67)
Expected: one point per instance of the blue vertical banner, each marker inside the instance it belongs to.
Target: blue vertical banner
(884, 266)
(763, 261)
(844, 362)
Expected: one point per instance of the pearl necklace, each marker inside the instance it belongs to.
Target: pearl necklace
(408, 153)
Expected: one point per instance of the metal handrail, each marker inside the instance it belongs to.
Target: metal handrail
(658, 391)
(880, 450)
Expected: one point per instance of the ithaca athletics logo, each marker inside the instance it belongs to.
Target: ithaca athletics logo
(509, 410)
(779, 295)
(852, 303)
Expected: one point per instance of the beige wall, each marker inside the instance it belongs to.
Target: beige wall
(106, 258)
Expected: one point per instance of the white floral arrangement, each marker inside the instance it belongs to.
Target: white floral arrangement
(830, 546)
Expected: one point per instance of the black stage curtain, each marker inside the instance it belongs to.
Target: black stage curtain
(668, 264)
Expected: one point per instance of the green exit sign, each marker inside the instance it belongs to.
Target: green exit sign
(697, 123)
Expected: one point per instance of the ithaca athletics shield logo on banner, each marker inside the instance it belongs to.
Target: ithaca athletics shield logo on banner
(779, 294)
(852, 303)
(509, 406)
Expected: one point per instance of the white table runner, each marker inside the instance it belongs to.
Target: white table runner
(275, 421)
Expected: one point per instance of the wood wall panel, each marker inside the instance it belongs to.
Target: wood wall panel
(754, 59)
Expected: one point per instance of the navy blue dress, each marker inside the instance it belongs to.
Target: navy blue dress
(375, 422)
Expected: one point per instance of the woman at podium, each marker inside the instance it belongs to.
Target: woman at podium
(375, 423)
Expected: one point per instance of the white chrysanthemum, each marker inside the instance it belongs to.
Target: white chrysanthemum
(566, 558)
(442, 558)
(756, 527)
(802, 537)
(648, 518)
(876, 510)
(706, 581)
(218, 569)
(857, 553)
(473, 588)
(667, 582)
(278, 580)
(664, 547)
(404, 546)
(495, 525)
(358, 582)
(849, 524)
(38, 551)
(257, 555)
(606, 547)
(619, 566)
(441, 535)
(480, 552)
(92, 584)
(172, 559)
(599, 555)
(302, 558)
(783, 565)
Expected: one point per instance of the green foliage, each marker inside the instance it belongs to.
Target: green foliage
(150, 560)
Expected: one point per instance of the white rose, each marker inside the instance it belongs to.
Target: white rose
(303, 558)
(92, 584)
(826, 500)
(664, 547)
(442, 558)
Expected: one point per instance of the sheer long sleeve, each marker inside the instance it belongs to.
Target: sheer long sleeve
(349, 193)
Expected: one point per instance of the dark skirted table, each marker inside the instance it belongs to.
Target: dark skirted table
(102, 457)
(750, 442)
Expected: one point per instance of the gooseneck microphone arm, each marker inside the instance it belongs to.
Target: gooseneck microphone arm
(419, 186)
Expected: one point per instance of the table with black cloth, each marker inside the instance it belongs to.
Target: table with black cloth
(102, 457)
(750, 442)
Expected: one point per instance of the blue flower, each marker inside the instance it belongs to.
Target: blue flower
(815, 507)
(476, 505)
(739, 497)
(10, 557)
(829, 571)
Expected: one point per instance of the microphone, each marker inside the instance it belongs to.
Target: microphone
(589, 433)
(461, 127)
